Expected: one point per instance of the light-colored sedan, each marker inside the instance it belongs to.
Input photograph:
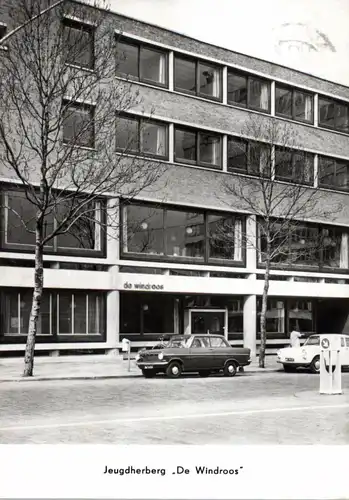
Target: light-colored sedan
(308, 355)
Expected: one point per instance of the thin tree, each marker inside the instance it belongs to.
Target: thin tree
(276, 186)
(63, 135)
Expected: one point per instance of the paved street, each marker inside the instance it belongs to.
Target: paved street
(252, 408)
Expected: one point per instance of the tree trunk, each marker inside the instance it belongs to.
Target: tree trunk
(36, 303)
(264, 312)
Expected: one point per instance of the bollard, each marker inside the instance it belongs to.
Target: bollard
(126, 347)
(330, 364)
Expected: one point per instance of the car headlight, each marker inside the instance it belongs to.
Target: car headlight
(161, 355)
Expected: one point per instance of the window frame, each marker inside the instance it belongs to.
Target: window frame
(140, 124)
(293, 91)
(198, 133)
(205, 260)
(90, 29)
(197, 63)
(53, 247)
(248, 143)
(67, 104)
(249, 77)
(143, 45)
(294, 153)
(335, 102)
(335, 161)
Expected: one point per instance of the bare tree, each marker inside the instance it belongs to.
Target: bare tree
(276, 186)
(64, 137)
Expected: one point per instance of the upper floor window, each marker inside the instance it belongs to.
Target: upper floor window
(249, 157)
(198, 147)
(334, 173)
(79, 43)
(197, 77)
(333, 114)
(248, 91)
(78, 124)
(176, 234)
(138, 135)
(293, 165)
(293, 104)
(142, 62)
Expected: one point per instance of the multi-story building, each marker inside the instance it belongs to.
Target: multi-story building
(169, 275)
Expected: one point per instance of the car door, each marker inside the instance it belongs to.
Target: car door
(199, 354)
(218, 351)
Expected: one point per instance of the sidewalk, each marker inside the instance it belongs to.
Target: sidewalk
(87, 367)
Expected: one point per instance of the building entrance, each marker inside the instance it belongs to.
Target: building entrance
(208, 321)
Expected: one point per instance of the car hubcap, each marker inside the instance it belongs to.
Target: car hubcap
(231, 369)
(175, 370)
(317, 364)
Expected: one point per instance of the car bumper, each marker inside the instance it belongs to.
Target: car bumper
(150, 365)
(295, 364)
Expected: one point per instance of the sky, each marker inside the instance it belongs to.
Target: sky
(308, 35)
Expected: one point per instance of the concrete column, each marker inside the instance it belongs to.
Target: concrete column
(250, 323)
(113, 320)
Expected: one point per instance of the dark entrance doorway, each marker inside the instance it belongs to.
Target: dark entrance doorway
(208, 321)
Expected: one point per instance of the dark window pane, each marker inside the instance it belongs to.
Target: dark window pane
(20, 215)
(327, 171)
(185, 234)
(342, 174)
(65, 319)
(95, 313)
(84, 232)
(275, 317)
(80, 313)
(300, 315)
(79, 45)
(127, 59)
(283, 101)
(210, 149)
(259, 94)
(326, 112)
(259, 159)
(157, 314)
(12, 323)
(185, 145)
(303, 106)
(304, 246)
(283, 164)
(3, 30)
(185, 74)
(210, 80)
(334, 248)
(342, 117)
(237, 89)
(237, 154)
(225, 237)
(78, 125)
(143, 230)
(127, 134)
(44, 327)
(154, 138)
(130, 312)
(153, 65)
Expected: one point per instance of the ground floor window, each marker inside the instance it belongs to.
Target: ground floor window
(63, 313)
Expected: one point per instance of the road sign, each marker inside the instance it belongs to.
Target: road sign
(330, 364)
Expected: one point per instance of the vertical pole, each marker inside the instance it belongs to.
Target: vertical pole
(129, 357)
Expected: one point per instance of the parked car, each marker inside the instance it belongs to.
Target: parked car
(308, 355)
(204, 354)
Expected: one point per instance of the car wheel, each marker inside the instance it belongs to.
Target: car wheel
(230, 369)
(204, 373)
(289, 369)
(174, 370)
(149, 373)
(315, 365)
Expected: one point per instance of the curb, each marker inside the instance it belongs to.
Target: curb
(104, 377)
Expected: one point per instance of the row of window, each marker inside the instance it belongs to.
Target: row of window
(171, 234)
(62, 313)
(136, 135)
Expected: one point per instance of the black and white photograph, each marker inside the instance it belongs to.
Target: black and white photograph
(174, 242)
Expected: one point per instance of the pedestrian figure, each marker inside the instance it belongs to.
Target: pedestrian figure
(295, 337)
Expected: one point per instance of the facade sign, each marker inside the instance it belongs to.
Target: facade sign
(142, 286)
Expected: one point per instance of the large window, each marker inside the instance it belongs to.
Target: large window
(181, 234)
(275, 317)
(334, 114)
(84, 233)
(249, 157)
(78, 124)
(146, 314)
(300, 315)
(295, 166)
(142, 62)
(136, 135)
(307, 245)
(79, 43)
(293, 104)
(333, 173)
(198, 147)
(197, 77)
(77, 313)
(248, 91)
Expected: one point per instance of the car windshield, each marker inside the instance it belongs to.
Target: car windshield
(178, 342)
(312, 341)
